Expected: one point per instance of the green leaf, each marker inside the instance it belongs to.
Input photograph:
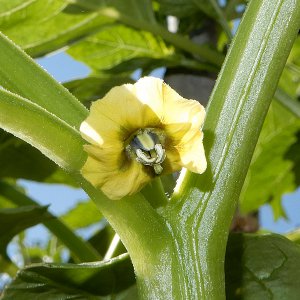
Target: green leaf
(294, 236)
(148, 64)
(42, 130)
(118, 43)
(95, 87)
(134, 9)
(184, 8)
(260, 267)
(5, 203)
(73, 218)
(61, 176)
(20, 160)
(287, 101)
(7, 266)
(80, 249)
(18, 70)
(49, 27)
(290, 78)
(271, 174)
(70, 281)
(147, 34)
(12, 222)
(46, 26)
(15, 220)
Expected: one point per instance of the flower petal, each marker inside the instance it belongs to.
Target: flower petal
(149, 92)
(179, 110)
(192, 154)
(149, 103)
(126, 183)
(110, 157)
(176, 132)
(115, 183)
(172, 162)
(117, 116)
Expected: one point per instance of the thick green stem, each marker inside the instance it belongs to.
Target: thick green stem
(199, 215)
(145, 236)
(81, 250)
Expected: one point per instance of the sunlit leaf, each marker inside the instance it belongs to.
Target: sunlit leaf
(74, 218)
(290, 78)
(294, 236)
(273, 167)
(21, 75)
(46, 25)
(117, 43)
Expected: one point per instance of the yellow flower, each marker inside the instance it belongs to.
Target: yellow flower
(139, 131)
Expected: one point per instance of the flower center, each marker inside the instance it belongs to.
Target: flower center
(148, 149)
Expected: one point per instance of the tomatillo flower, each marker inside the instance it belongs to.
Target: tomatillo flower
(140, 131)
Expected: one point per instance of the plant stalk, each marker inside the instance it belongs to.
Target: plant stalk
(199, 215)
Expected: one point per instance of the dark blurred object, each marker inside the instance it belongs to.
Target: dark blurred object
(189, 86)
(245, 223)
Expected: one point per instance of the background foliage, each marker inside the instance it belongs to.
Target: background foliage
(115, 40)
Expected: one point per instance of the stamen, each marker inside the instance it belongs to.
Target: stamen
(161, 154)
(143, 158)
(157, 169)
(148, 149)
